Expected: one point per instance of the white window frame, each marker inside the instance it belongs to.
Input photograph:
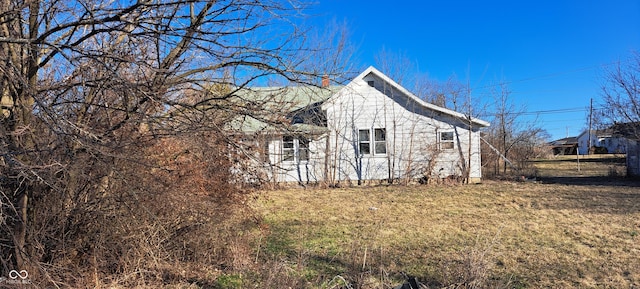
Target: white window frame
(373, 141)
(446, 144)
(379, 141)
(362, 142)
(288, 148)
(295, 149)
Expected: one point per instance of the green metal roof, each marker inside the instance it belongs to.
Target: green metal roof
(268, 101)
(291, 98)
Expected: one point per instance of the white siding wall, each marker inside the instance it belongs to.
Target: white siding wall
(303, 171)
(613, 144)
(412, 138)
(617, 145)
(583, 142)
(412, 134)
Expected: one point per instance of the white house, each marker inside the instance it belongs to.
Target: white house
(370, 129)
(607, 141)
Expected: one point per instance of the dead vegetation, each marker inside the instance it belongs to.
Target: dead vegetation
(493, 235)
(116, 146)
(167, 214)
(172, 218)
(586, 166)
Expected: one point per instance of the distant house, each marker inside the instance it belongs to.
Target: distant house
(564, 146)
(370, 129)
(630, 132)
(609, 140)
(618, 138)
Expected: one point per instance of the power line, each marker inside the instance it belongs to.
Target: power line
(553, 111)
(561, 120)
(547, 111)
(536, 112)
(544, 76)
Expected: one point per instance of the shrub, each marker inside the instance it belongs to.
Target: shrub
(159, 211)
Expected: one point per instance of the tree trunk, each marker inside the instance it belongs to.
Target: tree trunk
(18, 126)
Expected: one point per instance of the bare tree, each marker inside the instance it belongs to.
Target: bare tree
(621, 94)
(85, 86)
(396, 65)
(513, 141)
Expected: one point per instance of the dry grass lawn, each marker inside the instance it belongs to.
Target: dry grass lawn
(578, 232)
(582, 166)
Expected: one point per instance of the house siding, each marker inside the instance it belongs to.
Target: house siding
(412, 135)
(612, 143)
(296, 170)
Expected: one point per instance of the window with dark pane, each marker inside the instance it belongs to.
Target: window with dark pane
(288, 149)
(303, 149)
(364, 142)
(446, 140)
(265, 150)
(380, 141)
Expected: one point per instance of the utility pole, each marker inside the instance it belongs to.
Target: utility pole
(589, 131)
(468, 173)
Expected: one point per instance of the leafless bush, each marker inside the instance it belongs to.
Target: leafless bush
(473, 269)
(105, 175)
(165, 213)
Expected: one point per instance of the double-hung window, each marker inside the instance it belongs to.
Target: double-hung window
(446, 140)
(303, 149)
(288, 149)
(379, 141)
(364, 140)
(295, 149)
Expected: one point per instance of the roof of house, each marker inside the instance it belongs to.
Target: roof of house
(627, 130)
(564, 141)
(417, 100)
(287, 99)
(290, 98)
(284, 100)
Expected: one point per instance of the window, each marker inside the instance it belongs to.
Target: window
(303, 149)
(364, 142)
(446, 140)
(288, 149)
(264, 149)
(380, 141)
(297, 119)
(295, 149)
(371, 83)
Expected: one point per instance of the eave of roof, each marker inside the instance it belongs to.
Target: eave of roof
(419, 101)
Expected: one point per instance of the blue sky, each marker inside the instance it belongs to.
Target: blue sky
(551, 53)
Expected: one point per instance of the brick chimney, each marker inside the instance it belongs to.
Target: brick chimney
(325, 81)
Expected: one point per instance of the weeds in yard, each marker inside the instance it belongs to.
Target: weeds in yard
(493, 235)
(473, 266)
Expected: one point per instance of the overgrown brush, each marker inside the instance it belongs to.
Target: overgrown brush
(164, 212)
